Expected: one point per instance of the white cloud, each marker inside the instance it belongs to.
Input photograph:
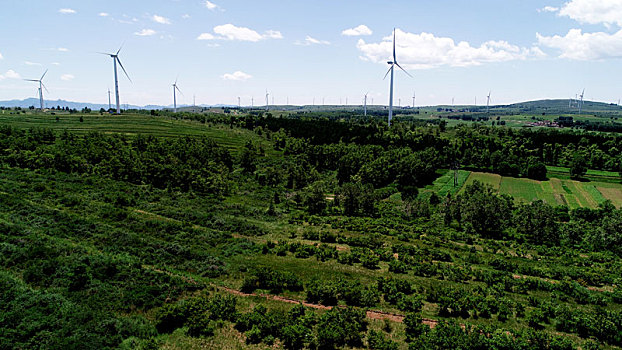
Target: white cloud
(548, 9)
(67, 77)
(103, 14)
(231, 32)
(160, 19)
(145, 32)
(424, 51)
(357, 31)
(55, 63)
(67, 11)
(206, 36)
(10, 74)
(238, 76)
(28, 63)
(185, 16)
(312, 41)
(1, 56)
(577, 45)
(63, 49)
(593, 11)
(211, 6)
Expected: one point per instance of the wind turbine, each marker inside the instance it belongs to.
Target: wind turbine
(267, 103)
(365, 104)
(581, 102)
(239, 103)
(488, 102)
(109, 104)
(413, 99)
(115, 59)
(175, 87)
(393, 64)
(41, 87)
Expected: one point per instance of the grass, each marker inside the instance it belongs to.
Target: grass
(554, 191)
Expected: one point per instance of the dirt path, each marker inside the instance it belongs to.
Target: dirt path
(372, 314)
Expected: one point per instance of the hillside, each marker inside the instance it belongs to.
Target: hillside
(187, 231)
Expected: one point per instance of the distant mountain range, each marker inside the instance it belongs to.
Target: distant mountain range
(556, 105)
(79, 105)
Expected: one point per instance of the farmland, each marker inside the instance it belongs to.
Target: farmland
(209, 232)
(554, 191)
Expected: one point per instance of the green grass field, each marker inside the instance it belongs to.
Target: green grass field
(554, 191)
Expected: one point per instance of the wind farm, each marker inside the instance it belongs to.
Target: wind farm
(297, 201)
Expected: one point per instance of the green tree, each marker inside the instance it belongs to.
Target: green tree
(578, 166)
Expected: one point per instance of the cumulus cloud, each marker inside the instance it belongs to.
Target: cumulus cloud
(357, 31)
(103, 14)
(593, 11)
(231, 32)
(577, 45)
(67, 77)
(67, 11)
(10, 74)
(424, 51)
(312, 41)
(145, 32)
(237, 76)
(160, 19)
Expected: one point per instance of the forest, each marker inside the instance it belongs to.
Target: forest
(313, 230)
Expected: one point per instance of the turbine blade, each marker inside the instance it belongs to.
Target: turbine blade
(31, 80)
(397, 64)
(124, 71)
(104, 53)
(46, 72)
(394, 58)
(46, 89)
(176, 87)
(120, 48)
(385, 76)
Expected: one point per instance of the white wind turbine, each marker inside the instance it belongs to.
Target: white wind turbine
(115, 59)
(175, 89)
(581, 102)
(41, 87)
(393, 64)
(365, 104)
(488, 102)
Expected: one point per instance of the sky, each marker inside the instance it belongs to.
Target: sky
(304, 51)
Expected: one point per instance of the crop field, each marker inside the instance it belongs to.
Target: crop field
(554, 191)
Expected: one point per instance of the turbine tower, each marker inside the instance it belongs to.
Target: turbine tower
(175, 87)
(267, 103)
(413, 99)
(41, 87)
(115, 59)
(391, 69)
(488, 102)
(365, 104)
(109, 104)
(239, 103)
(581, 102)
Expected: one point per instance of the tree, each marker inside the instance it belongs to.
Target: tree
(578, 166)
(536, 170)
(538, 222)
(485, 211)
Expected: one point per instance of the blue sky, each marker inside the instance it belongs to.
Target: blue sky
(301, 50)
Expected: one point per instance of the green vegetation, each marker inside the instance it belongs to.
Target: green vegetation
(314, 231)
